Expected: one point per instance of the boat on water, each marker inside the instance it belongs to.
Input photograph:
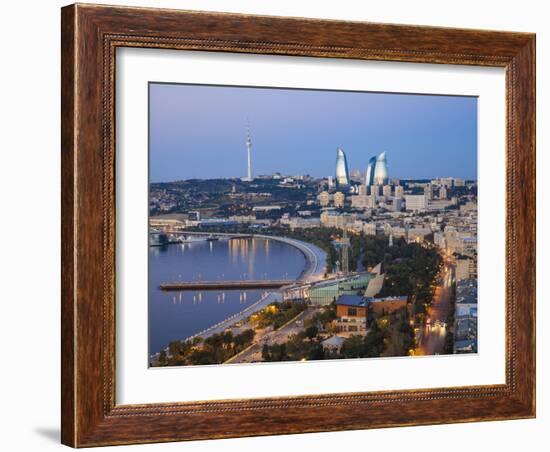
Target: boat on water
(212, 238)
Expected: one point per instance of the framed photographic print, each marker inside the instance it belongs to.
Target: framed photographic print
(281, 225)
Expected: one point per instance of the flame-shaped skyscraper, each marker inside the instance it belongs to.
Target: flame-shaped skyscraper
(342, 172)
(369, 177)
(381, 170)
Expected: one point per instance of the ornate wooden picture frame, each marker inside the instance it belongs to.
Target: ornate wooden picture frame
(90, 37)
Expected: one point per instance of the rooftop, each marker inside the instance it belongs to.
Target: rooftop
(351, 300)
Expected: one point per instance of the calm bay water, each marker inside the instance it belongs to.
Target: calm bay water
(178, 315)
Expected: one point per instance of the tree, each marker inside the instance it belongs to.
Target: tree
(245, 338)
(353, 347)
(311, 332)
(278, 353)
(374, 344)
(265, 353)
(227, 337)
(174, 348)
(316, 352)
(201, 357)
(162, 358)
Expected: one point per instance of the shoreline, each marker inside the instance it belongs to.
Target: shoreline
(308, 250)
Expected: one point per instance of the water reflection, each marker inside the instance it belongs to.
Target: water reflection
(177, 316)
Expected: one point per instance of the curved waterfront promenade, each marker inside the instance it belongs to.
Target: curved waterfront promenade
(315, 256)
(220, 327)
(315, 270)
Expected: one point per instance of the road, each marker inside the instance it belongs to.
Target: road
(254, 353)
(431, 338)
(220, 327)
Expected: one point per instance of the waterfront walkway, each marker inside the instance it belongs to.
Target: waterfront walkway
(315, 257)
(220, 327)
(314, 271)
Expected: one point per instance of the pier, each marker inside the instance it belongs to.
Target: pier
(227, 285)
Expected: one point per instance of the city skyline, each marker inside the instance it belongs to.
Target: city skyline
(426, 136)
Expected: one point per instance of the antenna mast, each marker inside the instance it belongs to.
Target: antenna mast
(248, 147)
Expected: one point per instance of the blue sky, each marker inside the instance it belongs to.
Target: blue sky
(199, 131)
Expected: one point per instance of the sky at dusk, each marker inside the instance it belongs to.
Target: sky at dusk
(199, 131)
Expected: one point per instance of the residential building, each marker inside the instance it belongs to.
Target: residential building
(397, 204)
(332, 219)
(369, 228)
(351, 314)
(460, 182)
(399, 191)
(416, 203)
(386, 305)
(466, 317)
(417, 234)
(324, 198)
(339, 199)
(304, 223)
(428, 192)
(466, 268)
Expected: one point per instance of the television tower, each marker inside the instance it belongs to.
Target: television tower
(248, 147)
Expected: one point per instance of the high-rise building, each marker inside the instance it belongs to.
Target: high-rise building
(443, 192)
(372, 201)
(399, 191)
(381, 170)
(397, 204)
(342, 172)
(428, 191)
(369, 177)
(386, 191)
